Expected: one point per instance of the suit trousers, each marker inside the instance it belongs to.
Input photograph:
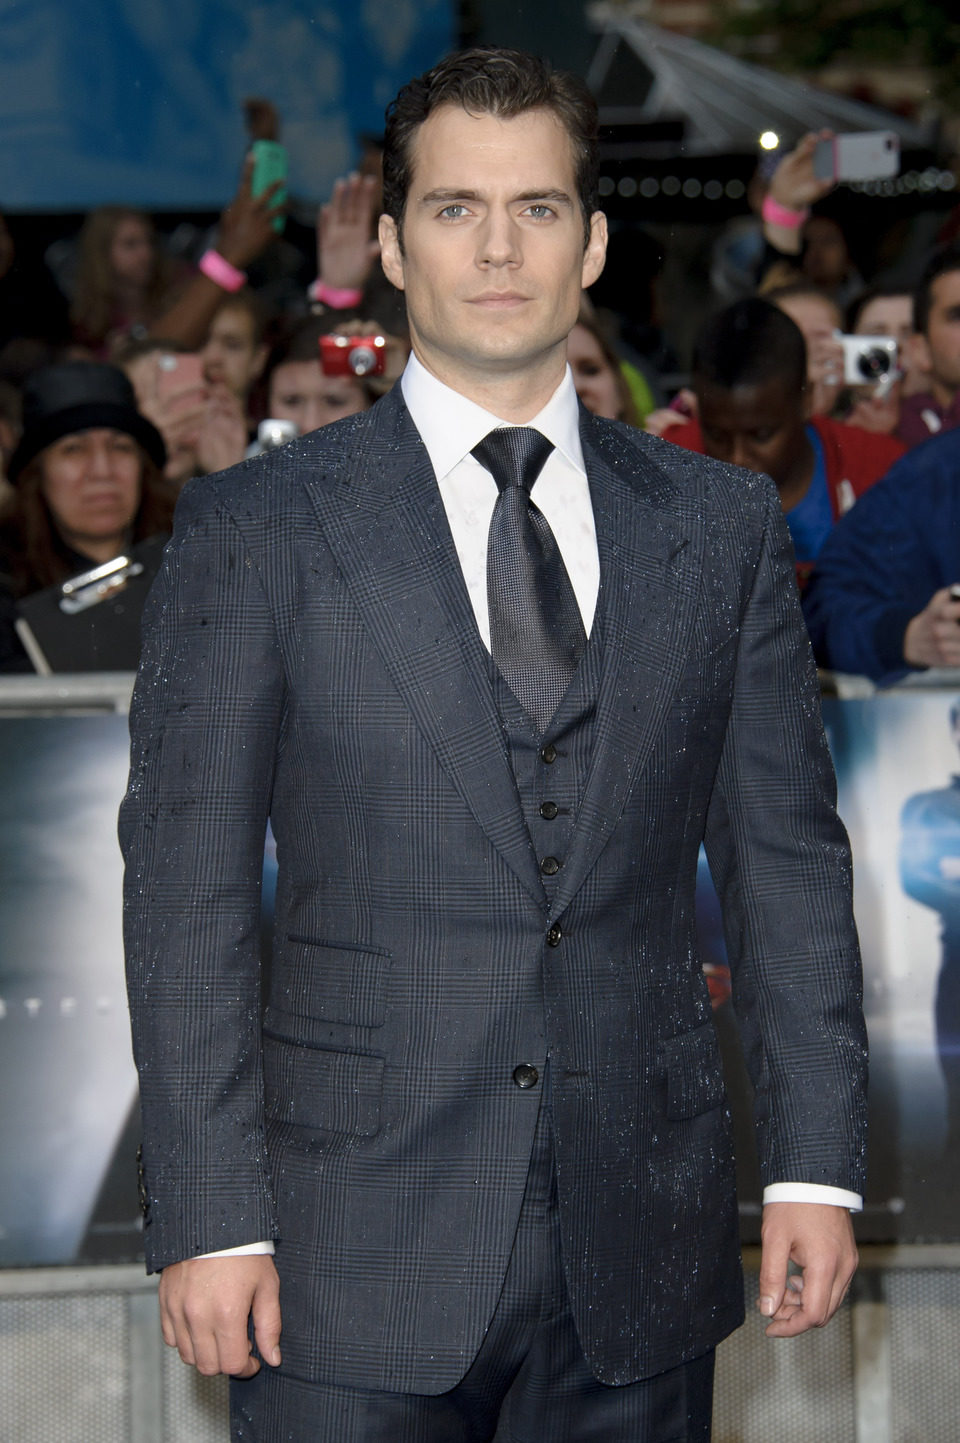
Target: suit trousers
(529, 1383)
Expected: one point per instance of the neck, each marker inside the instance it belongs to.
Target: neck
(98, 549)
(795, 486)
(515, 396)
(943, 395)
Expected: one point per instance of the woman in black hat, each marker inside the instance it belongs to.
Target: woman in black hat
(88, 484)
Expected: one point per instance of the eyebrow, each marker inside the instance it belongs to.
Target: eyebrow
(558, 197)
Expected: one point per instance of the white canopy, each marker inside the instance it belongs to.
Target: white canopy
(641, 73)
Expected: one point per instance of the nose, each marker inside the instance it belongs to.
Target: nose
(100, 460)
(499, 240)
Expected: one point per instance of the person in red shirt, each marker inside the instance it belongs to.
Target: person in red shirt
(753, 410)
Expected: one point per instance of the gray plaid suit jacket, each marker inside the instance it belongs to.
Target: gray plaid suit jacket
(310, 655)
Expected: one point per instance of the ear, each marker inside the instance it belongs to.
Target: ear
(596, 251)
(391, 254)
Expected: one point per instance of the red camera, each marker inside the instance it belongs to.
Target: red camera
(353, 355)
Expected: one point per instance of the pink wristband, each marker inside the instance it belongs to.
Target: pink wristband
(338, 298)
(777, 214)
(221, 272)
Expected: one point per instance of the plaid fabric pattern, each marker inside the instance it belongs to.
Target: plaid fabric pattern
(310, 654)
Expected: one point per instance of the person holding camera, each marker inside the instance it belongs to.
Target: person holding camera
(753, 409)
(324, 369)
(885, 598)
(86, 485)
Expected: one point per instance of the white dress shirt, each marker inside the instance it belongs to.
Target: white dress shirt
(450, 425)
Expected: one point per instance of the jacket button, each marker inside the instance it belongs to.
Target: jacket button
(549, 753)
(554, 935)
(548, 810)
(526, 1075)
(549, 866)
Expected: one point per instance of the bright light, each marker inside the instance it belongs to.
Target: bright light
(769, 140)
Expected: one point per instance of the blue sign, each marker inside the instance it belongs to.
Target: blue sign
(140, 103)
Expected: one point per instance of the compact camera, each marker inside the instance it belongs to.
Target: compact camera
(353, 355)
(272, 433)
(867, 360)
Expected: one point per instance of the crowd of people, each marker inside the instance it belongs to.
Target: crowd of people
(125, 371)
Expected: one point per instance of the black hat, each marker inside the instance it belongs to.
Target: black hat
(79, 396)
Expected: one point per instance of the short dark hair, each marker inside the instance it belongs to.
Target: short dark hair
(487, 80)
(748, 343)
(947, 258)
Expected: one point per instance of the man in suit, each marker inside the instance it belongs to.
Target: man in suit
(480, 1120)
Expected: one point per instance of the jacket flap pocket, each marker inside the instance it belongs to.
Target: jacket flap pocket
(315, 1088)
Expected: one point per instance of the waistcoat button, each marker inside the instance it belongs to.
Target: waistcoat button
(526, 1075)
(548, 810)
(549, 753)
(554, 935)
(549, 866)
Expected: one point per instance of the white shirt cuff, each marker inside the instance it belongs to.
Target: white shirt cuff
(245, 1250)
(813, 1192)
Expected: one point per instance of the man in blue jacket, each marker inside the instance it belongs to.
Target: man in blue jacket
(880, 602)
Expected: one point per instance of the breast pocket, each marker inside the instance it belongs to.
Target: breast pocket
(323, 1090)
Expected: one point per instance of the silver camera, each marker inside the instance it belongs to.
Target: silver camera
(867, 360)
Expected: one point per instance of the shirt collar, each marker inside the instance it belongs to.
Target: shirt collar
(450, 424)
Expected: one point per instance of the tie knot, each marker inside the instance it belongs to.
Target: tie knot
(514, 455)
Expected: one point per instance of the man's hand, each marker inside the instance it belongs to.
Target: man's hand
(817, 1238)
(932, 638)
(345, 251)
(204, 1307)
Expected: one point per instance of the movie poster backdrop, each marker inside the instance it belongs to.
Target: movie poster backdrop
(68, 1118)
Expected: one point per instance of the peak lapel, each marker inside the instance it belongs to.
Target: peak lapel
(387, 529)
(650, 546)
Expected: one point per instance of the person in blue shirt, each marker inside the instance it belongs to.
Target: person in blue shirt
(880, 602)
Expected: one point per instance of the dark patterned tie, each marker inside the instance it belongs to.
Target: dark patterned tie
(536, 631)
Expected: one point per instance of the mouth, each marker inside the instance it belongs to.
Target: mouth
(101, 499)
(499, 300)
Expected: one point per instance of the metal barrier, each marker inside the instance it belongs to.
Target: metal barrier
(82, 1361)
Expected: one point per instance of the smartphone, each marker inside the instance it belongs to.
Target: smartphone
(179, 372)
(270, 164)
(863, 155)
(98, 584)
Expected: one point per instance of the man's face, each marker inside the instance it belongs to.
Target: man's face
(493, 261)
(231, 354)
(940, 347)
(759, 427)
